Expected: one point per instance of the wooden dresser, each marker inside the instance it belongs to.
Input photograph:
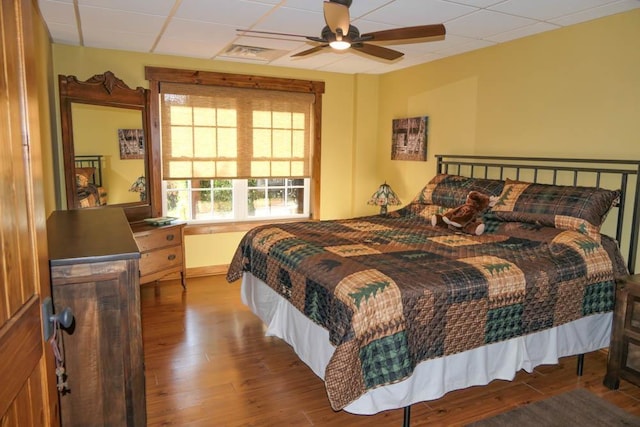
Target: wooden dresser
(94, 270)
(162, 251)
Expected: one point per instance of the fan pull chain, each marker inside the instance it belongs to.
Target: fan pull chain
(58, 354)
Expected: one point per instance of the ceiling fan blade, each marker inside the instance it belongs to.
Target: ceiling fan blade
(418, 32)
(378, 51)
(337, 16)
(310, 51)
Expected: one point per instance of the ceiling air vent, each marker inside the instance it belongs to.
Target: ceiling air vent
(250, 53)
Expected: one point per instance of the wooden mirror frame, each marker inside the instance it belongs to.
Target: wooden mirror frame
(104, 90)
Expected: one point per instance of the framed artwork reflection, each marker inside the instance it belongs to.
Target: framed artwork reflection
(409, 138)
(131, 143)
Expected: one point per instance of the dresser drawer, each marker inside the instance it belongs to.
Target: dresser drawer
(160, 260)
(158, 238)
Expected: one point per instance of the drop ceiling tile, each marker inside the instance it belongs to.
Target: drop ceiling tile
(236, 13)
(64, 34)
(417, 12)
(546, 9)
(360, 8)
(597, 12)
(191, 48)
(98, 21)
(308, 5)
(484, 23)
(313, 62)
(478, 3)
(204, 39)
(529, 30)
(294, 21)
(58, 12)
(135, 42)
(155, 7)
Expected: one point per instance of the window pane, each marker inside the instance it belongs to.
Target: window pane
(261, 143)
(227, 117)
(210, 200)
(262, 119)
(181, 142)
(181, 115)
(281, 143)
(205, 142)
(204, 116)
(260, 169)
(298, 121)
(178, 204)
(227, 142)
(256, 202)
(281, 120)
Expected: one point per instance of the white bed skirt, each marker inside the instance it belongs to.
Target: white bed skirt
(432, 378)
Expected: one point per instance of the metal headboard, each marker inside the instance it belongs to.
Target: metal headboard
(93, 161)
(612, 174)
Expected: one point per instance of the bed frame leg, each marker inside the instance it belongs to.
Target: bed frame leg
(580, 364)
(407, 416)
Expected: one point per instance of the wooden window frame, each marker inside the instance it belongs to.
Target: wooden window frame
(157, 75)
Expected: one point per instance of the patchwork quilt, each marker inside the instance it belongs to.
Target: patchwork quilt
(393, 291)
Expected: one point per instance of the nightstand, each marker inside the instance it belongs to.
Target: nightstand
(161, 251)
(624, 350)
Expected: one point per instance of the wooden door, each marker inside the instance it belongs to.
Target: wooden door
(28, 396)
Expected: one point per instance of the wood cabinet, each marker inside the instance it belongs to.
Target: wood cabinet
(162, 251)
(624, 350)
(93, 259)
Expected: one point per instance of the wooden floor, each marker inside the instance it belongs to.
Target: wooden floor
(208, 363)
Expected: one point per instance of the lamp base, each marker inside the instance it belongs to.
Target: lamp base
(383, 209)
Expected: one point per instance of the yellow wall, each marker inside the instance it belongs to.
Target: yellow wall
(570, 92)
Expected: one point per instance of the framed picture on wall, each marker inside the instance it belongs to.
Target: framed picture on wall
(131, 143)
(409, 138)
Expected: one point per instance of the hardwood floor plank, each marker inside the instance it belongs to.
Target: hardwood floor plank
(208, 362)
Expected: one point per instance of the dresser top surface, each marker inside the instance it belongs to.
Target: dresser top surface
(89, 235)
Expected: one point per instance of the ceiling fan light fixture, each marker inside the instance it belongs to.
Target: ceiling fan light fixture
(340, 44)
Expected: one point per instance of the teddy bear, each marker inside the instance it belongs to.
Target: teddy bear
(465, 217)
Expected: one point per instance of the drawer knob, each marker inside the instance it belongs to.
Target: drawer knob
(171, 257)
(170, 236)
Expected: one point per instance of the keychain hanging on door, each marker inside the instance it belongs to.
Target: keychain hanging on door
(58, 353)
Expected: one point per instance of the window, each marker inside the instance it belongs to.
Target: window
(236, 148)
(236, 200)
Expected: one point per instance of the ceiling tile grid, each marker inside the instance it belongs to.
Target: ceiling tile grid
(209, 28)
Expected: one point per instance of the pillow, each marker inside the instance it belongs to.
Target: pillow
(582, 209)
(83, 176)
(451, 191)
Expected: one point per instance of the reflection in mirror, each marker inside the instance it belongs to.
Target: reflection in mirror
(106, 149)
(116, 136)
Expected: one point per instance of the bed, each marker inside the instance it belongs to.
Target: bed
(89, 187)
(389, 310)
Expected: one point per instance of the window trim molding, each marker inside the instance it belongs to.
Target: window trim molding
(158, 75)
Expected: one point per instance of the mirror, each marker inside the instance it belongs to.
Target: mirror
(106, 144)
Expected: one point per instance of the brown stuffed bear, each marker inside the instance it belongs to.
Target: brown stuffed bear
(464, 217)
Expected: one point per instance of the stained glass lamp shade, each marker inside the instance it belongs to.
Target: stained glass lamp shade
(140, 186)
(383, 197)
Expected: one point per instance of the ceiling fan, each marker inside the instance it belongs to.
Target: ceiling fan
(339, 34)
